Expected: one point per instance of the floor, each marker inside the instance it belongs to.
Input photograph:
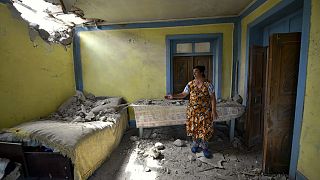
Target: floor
(139, 159)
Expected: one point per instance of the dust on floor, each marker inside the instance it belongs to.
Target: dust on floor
(164, 153)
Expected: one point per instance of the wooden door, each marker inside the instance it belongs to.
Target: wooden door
(182, 70)
(254, 121)
(182, 66)
(281, 88)
(206, 62)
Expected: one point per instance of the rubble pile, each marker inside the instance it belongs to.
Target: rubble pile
(164, 153)
(81, 108)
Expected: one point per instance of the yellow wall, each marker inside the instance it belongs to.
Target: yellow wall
(33, 80)
(132, 62)
(244, 25)
(309, 154)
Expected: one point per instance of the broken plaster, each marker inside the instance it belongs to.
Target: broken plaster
(53, 15)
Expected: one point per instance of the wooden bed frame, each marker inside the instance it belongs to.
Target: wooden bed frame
(37, 164)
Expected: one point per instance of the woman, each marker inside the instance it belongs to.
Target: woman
(201, 110)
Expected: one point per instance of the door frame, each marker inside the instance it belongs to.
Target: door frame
(216, 39)
(306, 15)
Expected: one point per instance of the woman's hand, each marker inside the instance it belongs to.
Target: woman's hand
(214, 115)
(169, 96)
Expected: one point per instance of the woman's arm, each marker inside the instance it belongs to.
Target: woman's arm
(181, 95)
(177, 96)
(214, 106)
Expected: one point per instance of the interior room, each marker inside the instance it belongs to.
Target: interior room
(107, 89)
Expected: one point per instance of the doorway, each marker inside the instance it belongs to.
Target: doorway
(273, 77)
(281, 90)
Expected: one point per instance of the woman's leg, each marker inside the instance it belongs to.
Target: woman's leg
(205, 149)
(195, 145)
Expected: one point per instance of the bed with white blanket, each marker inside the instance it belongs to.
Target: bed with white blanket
(84, 129)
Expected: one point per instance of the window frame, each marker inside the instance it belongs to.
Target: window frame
(216, 43)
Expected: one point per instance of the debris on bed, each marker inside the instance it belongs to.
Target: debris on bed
(86, 108)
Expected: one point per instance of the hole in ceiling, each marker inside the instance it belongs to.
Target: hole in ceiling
(50, 19)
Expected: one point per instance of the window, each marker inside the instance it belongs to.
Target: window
(196, 48)
(184, 47)
(203, 47)
(186, 51)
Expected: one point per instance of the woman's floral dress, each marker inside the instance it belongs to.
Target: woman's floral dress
(199, 121)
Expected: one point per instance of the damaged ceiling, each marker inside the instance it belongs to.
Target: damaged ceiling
(54, 20)
(49, 20)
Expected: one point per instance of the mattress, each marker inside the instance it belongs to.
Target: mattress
(87, 144)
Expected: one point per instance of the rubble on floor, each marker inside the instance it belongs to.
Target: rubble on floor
(157, 155)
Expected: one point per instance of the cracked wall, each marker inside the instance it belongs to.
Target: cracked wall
(34, 81)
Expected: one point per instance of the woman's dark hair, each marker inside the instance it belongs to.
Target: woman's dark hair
(201, 69)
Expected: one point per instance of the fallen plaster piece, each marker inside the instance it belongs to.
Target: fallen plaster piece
(154, 152)
(179, 143)
(153, 135)
(191, 157)
(159, 146)
(256, 170)
(134, 138)
(215, 161)
(232, 157)
(147, 169)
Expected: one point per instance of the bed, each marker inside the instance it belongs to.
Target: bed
(85, 129)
